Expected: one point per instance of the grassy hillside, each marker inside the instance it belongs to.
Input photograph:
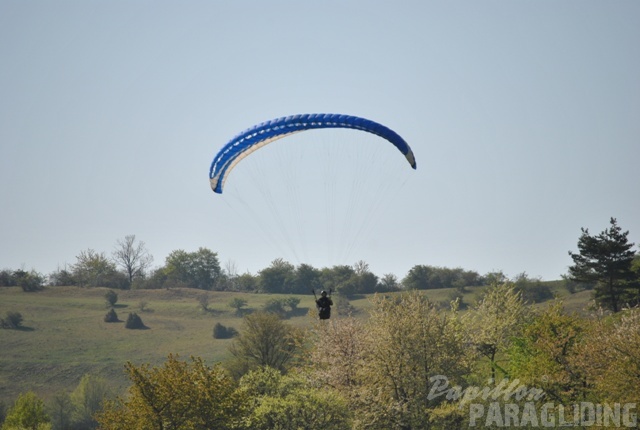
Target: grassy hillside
(64, 335)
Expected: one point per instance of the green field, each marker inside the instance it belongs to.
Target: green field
(64, 336)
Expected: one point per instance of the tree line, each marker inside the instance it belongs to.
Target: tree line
(129, 266)
(605, 263)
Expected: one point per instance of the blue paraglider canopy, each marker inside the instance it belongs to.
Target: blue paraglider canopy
(259, 135)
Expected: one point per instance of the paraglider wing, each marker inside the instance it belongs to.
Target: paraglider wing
(262, 134)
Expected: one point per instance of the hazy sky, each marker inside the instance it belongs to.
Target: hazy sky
(524, 118)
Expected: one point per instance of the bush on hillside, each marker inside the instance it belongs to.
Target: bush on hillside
(223, 332)
(111, 297)
(111, 316)
(134, 322)
(12, 320)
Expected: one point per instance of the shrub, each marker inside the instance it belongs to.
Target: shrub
(111, 316)
(29, 281)
(203, 301)
(111, 297)
(134, 322)
(237, 303)
(275, 306)
(222, 332)
(13, 320)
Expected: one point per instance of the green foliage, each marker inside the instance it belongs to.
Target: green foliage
(408, 342)
(388, 283)
(62, 411)
(238, 303)
(12, 320)
(88, 399)
(336, 277)
(292, 402)
(606, 260)
(200, 269)
(305, 279)
(203, 302)
(93, 269)
(532, 290)
(495, 320)
(178, 395)
(275, 306)
(545, 355)
(609, 356)
(29, 281)
(265, 340)
(343, 306)
(284, 307)
(61, 277)
(111, 316)
(276, 278)
(223, 332)
(134, 322)
(424, 277)
(28, 412)
(246, 282)
(111, 298)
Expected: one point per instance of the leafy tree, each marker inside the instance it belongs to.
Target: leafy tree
(610, 356)
(532, 290)
(408, 343)
(422, 277)
(88, 398)
(132, 257)
(277, 278)
(62, 277)
(292, 402)
(496, 278)
(417, 278)
(388, 283)
(200, 269)
(606, 261)
(265, 340)
(305, 279)
(6, 278)
(62, 410)
(178, 395)
(246, 282)
(362, 281)
(495, 320)
(28, 412)
(545, 355)
(337, 354)
(157, 279)
(29, 281)
(93, 269)
(336, 277)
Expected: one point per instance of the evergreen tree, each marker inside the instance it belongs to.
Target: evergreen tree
(606, 261)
